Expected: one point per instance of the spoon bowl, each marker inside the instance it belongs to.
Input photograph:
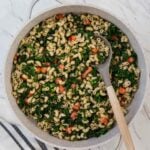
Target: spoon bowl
(103, 68)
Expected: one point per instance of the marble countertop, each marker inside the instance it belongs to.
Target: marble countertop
(136, 15)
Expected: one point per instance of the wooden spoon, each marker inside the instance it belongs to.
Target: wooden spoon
(104, 71)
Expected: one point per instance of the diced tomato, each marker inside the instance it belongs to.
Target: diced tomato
(58, 80)
(38, 69)
(86, 72)
(94, 50)
(61, 66)
(122, 90)
(69, 130)
(86, 22)
(104, 120)
(43, 69)
(130, 59)
(61, 89)
(72, 38)
(73, 85)
(59, 16)
(76, 106)
(74, 115)
(114, 38)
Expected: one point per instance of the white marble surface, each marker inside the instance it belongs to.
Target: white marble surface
(135, 14)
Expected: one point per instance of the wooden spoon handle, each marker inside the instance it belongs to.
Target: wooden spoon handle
(120, 118)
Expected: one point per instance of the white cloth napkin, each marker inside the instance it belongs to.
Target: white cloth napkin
(15, 137)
